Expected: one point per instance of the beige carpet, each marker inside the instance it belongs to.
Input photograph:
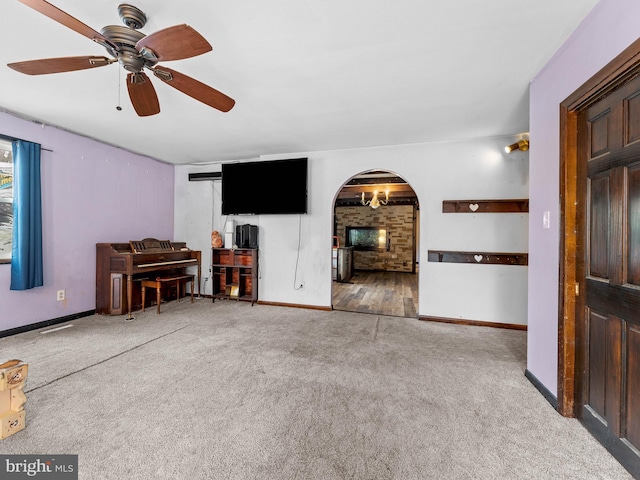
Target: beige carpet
(231, 391)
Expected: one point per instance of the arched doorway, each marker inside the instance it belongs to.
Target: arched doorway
(376, 240)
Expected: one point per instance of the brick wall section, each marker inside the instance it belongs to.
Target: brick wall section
(399, 223)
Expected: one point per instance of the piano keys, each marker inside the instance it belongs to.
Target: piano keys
(121, 266)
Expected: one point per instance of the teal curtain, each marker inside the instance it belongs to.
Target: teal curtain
(26, 243)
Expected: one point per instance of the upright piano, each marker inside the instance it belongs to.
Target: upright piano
(119, 266)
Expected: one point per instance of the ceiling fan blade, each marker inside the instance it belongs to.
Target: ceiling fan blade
(142, 94)
(195, 89)
(58, 65)
(175, 43)
(67, 20)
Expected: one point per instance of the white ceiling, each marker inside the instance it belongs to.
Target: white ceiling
(306, 75)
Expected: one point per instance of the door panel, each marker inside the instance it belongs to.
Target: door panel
(614, 382)
(605, 342)
(633, 209)
(633, 387)
(632, 114)
(597, 365)
(599, 228)
(599, 134)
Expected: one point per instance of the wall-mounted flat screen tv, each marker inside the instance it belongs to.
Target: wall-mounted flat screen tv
(265, 187)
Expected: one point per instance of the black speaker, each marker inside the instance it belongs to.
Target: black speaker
(247, 236)
(253, 236)
(241, 236)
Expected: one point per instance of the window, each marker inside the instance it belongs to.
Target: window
(6, 200)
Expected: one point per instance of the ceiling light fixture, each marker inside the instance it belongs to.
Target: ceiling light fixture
(375, 202)
(522, 145)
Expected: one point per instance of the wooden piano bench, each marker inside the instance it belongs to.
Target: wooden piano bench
(160, 282)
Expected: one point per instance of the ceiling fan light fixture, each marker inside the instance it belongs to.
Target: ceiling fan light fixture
(130, 60)
(522, 145)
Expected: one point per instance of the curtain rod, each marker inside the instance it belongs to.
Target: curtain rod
(11, 139)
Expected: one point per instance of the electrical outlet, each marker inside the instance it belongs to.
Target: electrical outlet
(60, 295)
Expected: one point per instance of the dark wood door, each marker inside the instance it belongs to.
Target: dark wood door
(608, 315)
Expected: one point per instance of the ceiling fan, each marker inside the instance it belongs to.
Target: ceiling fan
(135, 51)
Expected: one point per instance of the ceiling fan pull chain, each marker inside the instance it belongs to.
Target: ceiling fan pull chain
(118, 107)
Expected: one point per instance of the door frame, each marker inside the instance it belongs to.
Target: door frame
(572, 204)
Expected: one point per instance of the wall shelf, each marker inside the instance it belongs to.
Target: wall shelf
(485, 206)
(491, 258)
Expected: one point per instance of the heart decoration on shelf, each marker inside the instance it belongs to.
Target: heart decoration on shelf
(478, 258)
(473, 207)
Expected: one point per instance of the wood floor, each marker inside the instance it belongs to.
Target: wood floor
(382, 293)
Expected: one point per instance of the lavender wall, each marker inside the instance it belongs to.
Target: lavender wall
(610, 27)
(91, 193)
